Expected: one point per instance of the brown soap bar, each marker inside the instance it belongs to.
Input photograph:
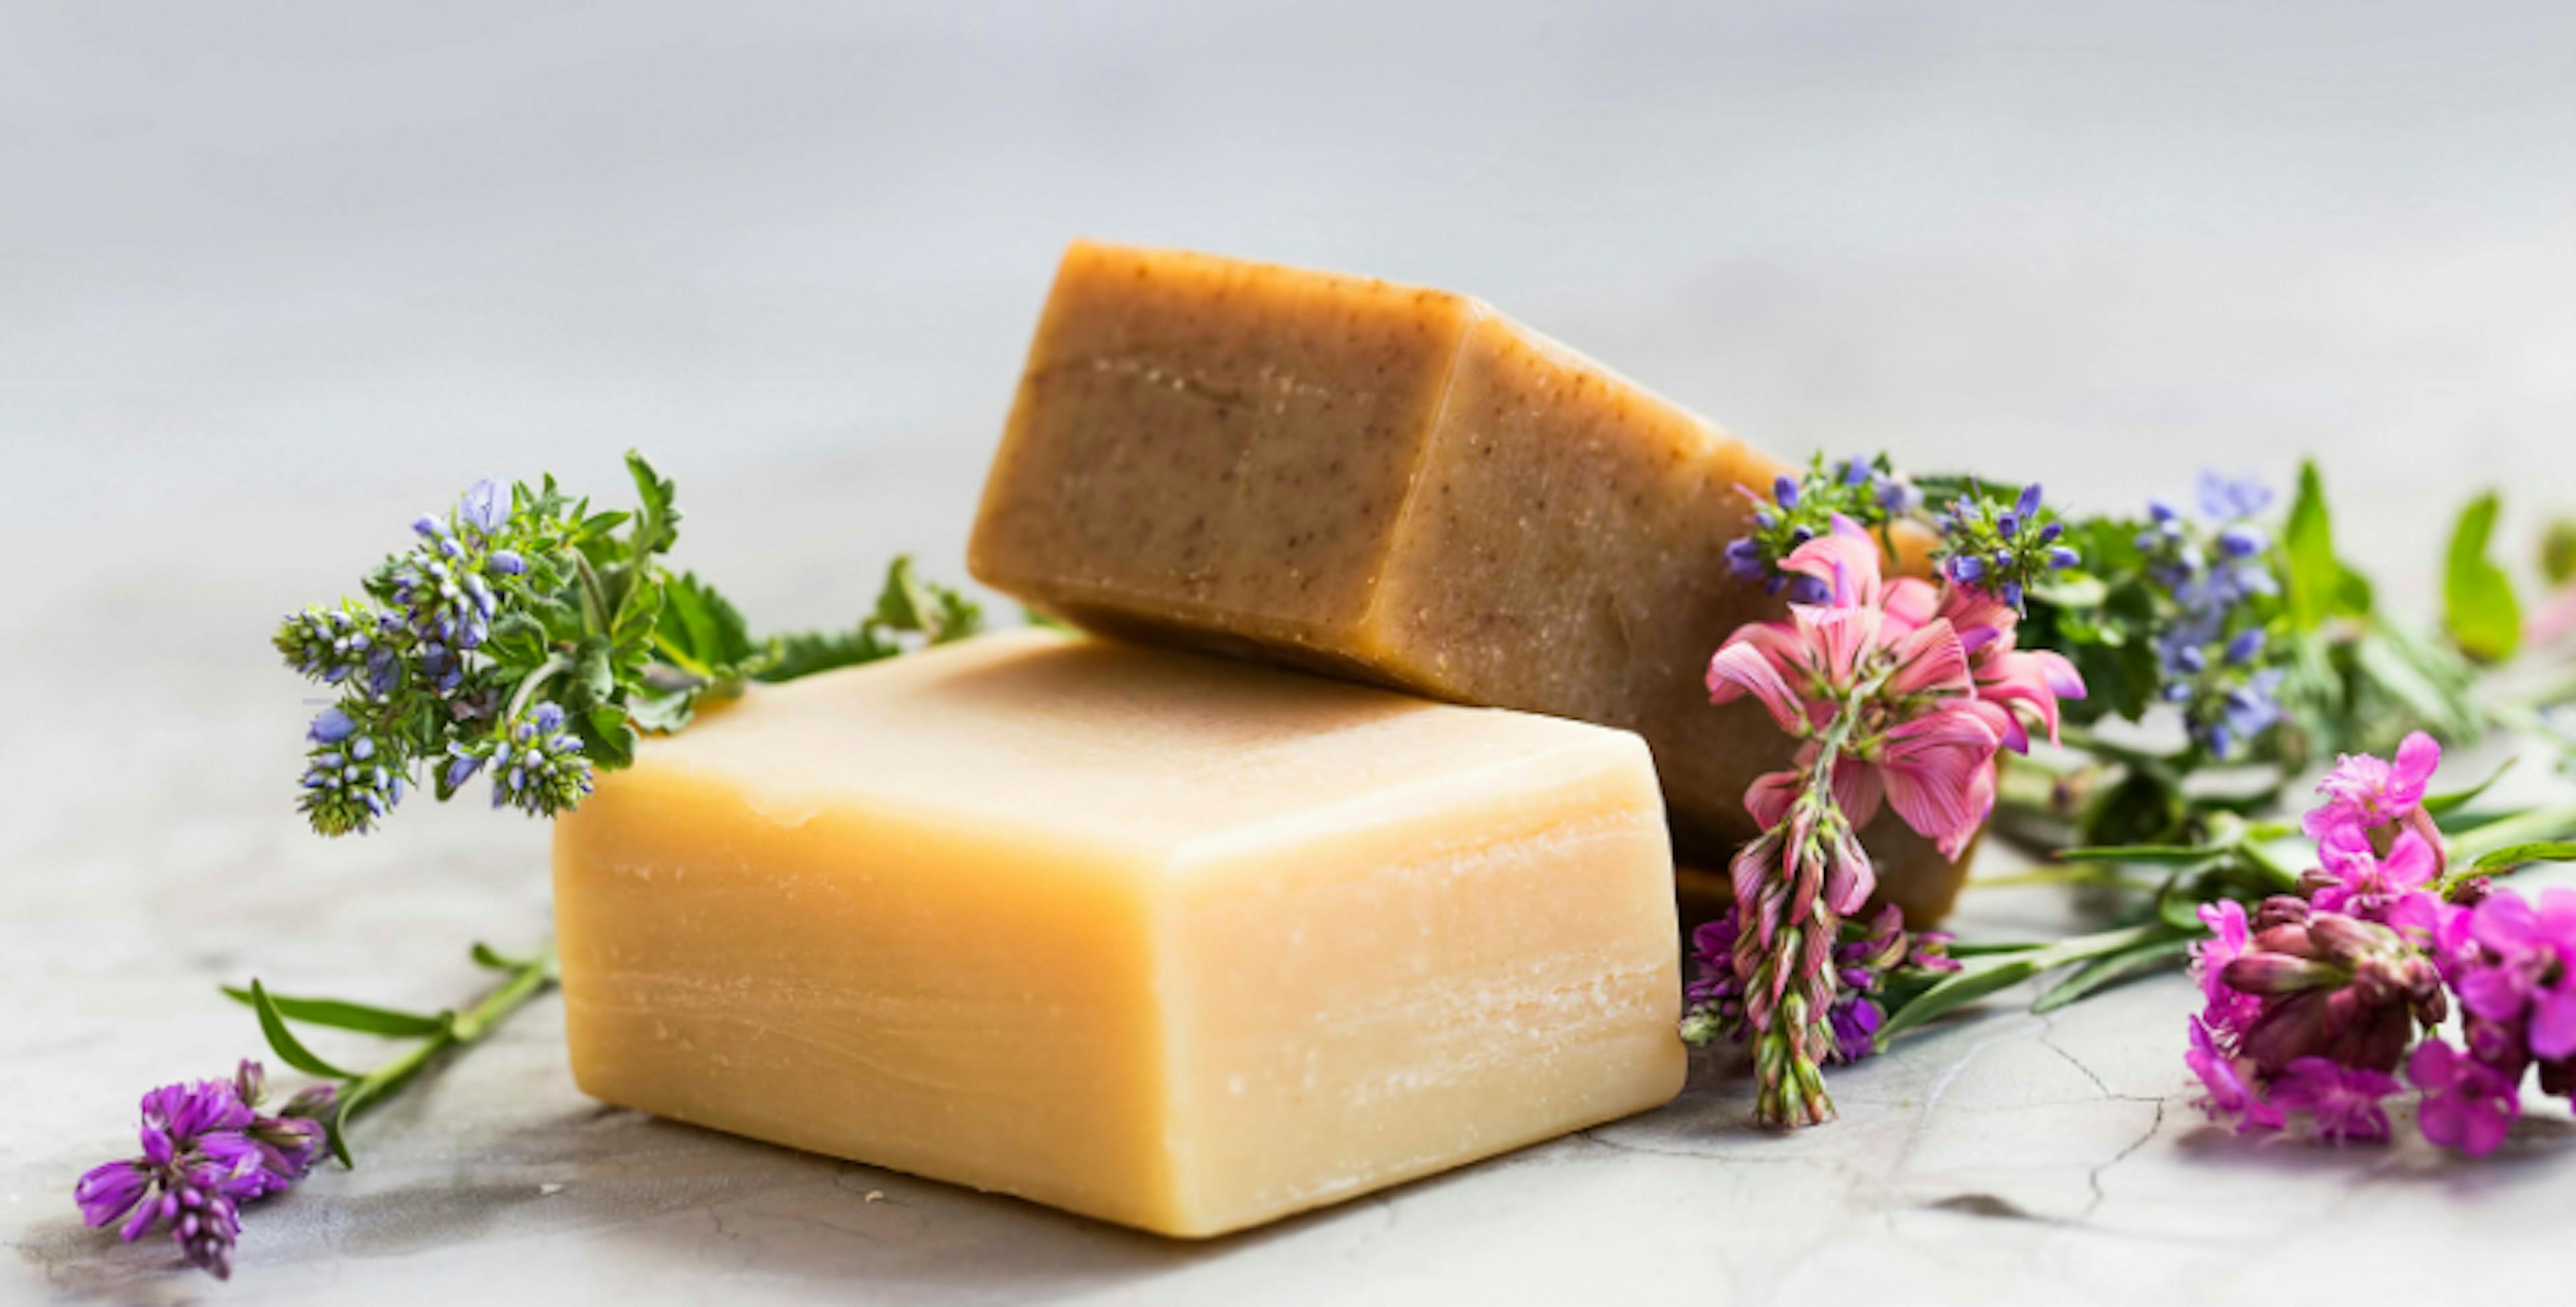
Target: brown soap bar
(1398, 485)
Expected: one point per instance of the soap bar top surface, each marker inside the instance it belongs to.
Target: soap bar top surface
(1090, 737)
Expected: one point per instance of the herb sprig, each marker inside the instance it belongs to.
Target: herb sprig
(531, 637)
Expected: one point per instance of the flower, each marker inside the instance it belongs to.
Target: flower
(2341, 1102)
(350, 782)
(1935, 712)
(2229, 1095)
(2524, 969)
(2358, 881)
(2334, 986)
(539, 768)
(2228, 1010)
(2366, 793)
(1866, 954)
(205, 1151)
(2002, 551)
(2211, 647)
(2467, 1105)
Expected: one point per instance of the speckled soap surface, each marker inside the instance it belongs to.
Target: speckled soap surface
(1397, 484)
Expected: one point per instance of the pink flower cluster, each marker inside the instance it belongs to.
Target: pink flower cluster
(1939, 687)
(2318, 999)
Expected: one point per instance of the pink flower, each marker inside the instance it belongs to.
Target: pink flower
(2526, 965)
(2342, 1102)
(2468, 1105)
(1940, 698)
(2367, 792)
(2230, 1097)
(2378, 889)
(2229, 1010)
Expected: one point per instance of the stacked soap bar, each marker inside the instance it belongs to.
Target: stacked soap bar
(1399, 485)
(1174, 941)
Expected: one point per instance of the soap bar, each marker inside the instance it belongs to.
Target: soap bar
(1399, 485)
(1169, 940)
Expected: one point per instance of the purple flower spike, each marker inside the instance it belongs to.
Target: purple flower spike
(1784, 491)
(2027, 507)
(205, 1151)
(330, 726)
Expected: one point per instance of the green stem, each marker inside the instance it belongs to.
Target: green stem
(528, 977)
(554, 665)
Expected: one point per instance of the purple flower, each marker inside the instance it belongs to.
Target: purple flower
(2230, 1097)
(205, 1151)
(1855, 1020)
(2229, 500)
(2342, 1103)
(2228, 1010)
(483, 506)
(2468, 1105)
(2368, 793)
(2363, 884)
(2525, 968)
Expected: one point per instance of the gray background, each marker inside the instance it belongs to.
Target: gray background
(275, 277)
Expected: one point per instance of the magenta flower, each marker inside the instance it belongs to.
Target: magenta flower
(2341, 1102)
(2361, 883)
(2467, 1105)
(2525, 968)
(2367, 793)
(206, 1150)
(2231, 1096)
(2227, 1010)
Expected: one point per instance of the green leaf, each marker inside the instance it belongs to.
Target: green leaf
(663, 714)
(607, 737)
(2516, 855)
(2440, 804)
(340, 1015)
(805, 655)
(2161, 855)
(704, 625)
(657, 523)
(493, 959)
(2111, 969)
(2477, 598)
(1987, 975)
(2416, 675)
(2314, 577)
(289, 1049)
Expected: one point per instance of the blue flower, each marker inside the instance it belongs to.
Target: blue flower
(483, 506)
(350, 780)
(2226, 500)
(539, 767)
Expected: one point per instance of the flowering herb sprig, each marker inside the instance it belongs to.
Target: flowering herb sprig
(524, 636)
(208, 1148)
(1869, 492)
(2004, 548)
(520, 635)
(1877, 963)
(1898, 693)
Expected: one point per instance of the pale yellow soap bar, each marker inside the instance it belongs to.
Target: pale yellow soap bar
(1164, 939)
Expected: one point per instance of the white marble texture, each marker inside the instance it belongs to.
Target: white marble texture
(276, 276)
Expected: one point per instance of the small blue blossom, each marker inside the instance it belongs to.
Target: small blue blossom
(2002, 551)
(1800, 508)
(539, 767)
(350, 781)
(2211, 569)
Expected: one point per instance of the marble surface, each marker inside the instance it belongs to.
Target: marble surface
(280, 275)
